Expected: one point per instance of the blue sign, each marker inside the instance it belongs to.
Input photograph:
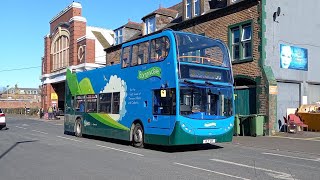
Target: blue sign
(292, 57)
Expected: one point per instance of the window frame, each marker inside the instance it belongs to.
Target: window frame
(188, 9)
(129, 57)
(91, 99)
(118, 33)
(162, 47)
(60, 50)
(196, 6)
(242, 41)
(135, 57)
(148, 24)
(110, 101)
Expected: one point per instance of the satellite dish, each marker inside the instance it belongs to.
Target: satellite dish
(278, 11)
(274, 16)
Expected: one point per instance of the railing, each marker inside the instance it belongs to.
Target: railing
(201, 60)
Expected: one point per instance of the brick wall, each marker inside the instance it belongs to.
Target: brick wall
(77, 29)
(19, 104)
(47, 65)
(114, 56)
(218, 28)
(90, 50)
(65, 18)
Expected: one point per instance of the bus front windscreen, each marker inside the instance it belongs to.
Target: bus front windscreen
(201, 50)
(206, 102)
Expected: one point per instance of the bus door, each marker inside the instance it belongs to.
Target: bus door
(164, 108)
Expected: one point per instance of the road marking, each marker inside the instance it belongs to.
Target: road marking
(215, 172)
(308, 159)
(274, 174)
(69, 139)
(119, 150)
(21, 127)
(39, 132)
(25, 125)
(58, 124)
(304, 139)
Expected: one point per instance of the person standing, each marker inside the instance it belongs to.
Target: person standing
(54, 112)
(50, 111)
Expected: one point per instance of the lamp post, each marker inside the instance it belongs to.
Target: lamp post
(7, 91)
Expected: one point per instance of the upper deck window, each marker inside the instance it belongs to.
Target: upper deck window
(150, 51)
(126, 56)
(140, 53)
(159, 49)
(202, 50)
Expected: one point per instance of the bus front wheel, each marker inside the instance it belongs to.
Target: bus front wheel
(137, 136)
(78, 128)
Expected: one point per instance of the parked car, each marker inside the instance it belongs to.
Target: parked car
(2, 119)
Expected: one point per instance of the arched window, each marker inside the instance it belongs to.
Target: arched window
(60, 50)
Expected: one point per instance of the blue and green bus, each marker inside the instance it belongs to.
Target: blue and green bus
(170, 88)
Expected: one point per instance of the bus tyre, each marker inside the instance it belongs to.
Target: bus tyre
(137, 136)
(78, 128)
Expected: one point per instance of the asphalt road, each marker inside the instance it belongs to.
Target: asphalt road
(34, 149)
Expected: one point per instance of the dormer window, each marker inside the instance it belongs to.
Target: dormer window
(196, 7)
(150, 25)
(188, 9)
(118, 37)
(192, 8)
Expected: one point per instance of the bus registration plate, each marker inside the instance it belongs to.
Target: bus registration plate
(209, 141)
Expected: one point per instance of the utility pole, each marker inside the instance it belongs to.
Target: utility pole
(7, 91)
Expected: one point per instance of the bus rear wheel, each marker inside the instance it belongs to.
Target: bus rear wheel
(137, 136)
(78, 128)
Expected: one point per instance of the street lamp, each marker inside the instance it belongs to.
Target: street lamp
(7, 91)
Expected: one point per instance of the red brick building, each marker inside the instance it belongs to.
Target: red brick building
(238, 24)
(70, 44)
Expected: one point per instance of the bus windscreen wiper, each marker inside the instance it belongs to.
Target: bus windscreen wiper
(209, 83)
(188, 82)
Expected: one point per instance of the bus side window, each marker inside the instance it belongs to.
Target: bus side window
(143, 53)
(91, 103)
(105, 102)
(134, 59)
(153, 56)
(159, 49)
(126, 57)
(80, 103)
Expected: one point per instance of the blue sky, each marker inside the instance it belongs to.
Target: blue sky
(25, 23)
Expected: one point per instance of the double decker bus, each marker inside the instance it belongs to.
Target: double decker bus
(170, 88)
